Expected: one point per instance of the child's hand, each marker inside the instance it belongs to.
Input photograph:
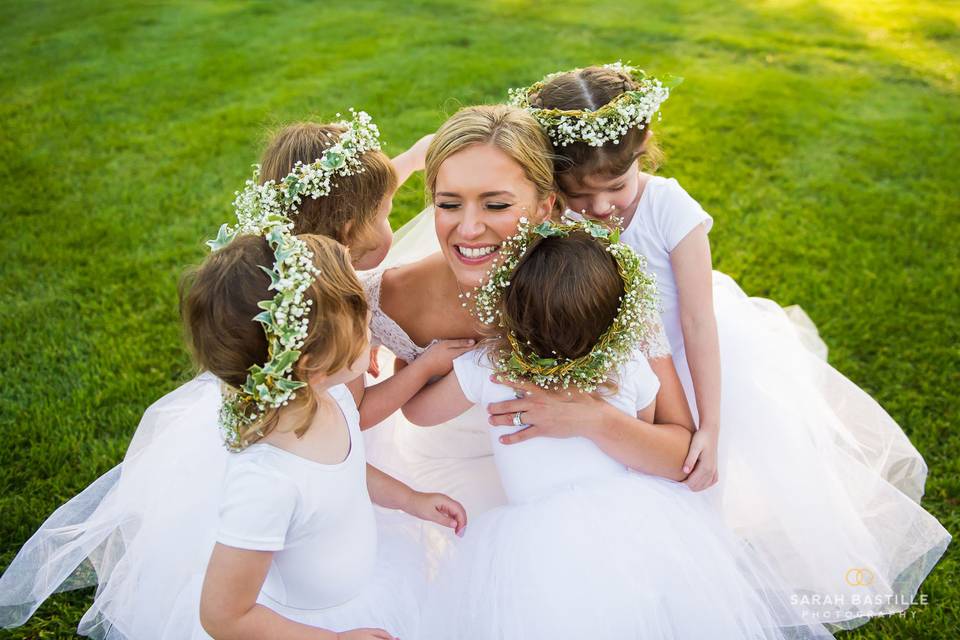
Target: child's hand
(436, 507)
(365, 634)
(701, 462)
(418, 152)
(439, 356)
(374, 368)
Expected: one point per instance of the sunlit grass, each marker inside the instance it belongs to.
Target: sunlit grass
(823, 136)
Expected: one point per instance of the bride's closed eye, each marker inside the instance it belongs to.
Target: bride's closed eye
(492, 206)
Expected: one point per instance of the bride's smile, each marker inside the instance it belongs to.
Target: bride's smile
(481, 194)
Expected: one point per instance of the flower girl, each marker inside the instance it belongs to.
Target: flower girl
(120, 531)
(812, 471)
(587, 547)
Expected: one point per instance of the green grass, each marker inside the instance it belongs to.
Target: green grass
(823, 136)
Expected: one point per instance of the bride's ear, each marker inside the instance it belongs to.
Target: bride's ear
(545, 208)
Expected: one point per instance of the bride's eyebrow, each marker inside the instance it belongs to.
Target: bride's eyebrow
(491, 194)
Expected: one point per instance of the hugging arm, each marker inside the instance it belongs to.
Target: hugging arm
(438, 402)
(228, 603)
(378, 402)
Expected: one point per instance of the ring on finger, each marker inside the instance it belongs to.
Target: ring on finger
(518, 419)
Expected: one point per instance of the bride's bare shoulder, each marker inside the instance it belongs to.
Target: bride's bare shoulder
(408, 286)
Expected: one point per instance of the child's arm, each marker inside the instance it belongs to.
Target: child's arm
(691, 264)
(388, 492)
(229, 609)
(412, 159)
(436, 403)
(381, 400)
(672, 406)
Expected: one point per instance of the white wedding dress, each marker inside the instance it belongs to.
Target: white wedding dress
(815, 475)
(586, 548)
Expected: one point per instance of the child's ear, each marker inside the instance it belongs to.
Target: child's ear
(643, 143)
(315, 377)
(348, 225)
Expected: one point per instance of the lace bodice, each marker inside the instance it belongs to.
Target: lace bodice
(384, 329)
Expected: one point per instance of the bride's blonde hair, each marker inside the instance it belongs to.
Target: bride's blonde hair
(510, 129)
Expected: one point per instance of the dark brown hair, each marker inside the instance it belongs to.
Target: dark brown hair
(592, 88)
(563, 296)
(354, 199)
(218, 301)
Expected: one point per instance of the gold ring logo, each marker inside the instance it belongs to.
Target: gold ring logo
(859, 577)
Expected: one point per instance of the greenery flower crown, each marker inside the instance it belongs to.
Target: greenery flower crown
(634, 323)
(258, 203)
(266, 210)
(608, 123)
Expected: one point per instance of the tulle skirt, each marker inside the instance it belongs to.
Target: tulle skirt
(143, 533)
(630, 556)
(814, 474)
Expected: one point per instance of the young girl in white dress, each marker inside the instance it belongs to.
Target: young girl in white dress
(812, 471)
(122, 529)
(599, 539)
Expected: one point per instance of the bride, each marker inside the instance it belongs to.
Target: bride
(416, 301)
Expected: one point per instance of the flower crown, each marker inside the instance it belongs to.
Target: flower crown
(265, 210)
(608, 123)
(258, 204)
(633, 324)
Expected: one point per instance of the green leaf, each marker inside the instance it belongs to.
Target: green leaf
(274, 276)
(289, 385)
(265, 317)
(332, 160)
(224, 236)
(285, 359)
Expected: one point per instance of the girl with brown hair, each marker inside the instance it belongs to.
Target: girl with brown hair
(812, 471)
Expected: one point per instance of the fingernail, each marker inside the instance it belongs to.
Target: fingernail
(686, 469)
(503, 440)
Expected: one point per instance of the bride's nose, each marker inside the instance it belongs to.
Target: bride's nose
(471, 225)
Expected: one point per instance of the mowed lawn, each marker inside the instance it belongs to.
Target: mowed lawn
(823, 136)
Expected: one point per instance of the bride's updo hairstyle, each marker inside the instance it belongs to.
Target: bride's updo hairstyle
(591, 88)
(510, 129)
(353, 199)
(218, 301)
(563, 296)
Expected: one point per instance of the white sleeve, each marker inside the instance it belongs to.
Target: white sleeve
(676, 214)
(256, 509)
(645, 383)
(471, 375)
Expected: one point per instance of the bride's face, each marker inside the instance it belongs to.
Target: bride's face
(480, 195)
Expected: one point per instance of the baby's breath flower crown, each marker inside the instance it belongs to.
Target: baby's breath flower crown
(258, 203)
(610, 122)
(266, 210)
(634, 323)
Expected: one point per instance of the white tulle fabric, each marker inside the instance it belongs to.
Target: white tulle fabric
(588, 549)
(815, 475)
(143, 534)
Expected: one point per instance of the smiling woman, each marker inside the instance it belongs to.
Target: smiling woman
(487, 168)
